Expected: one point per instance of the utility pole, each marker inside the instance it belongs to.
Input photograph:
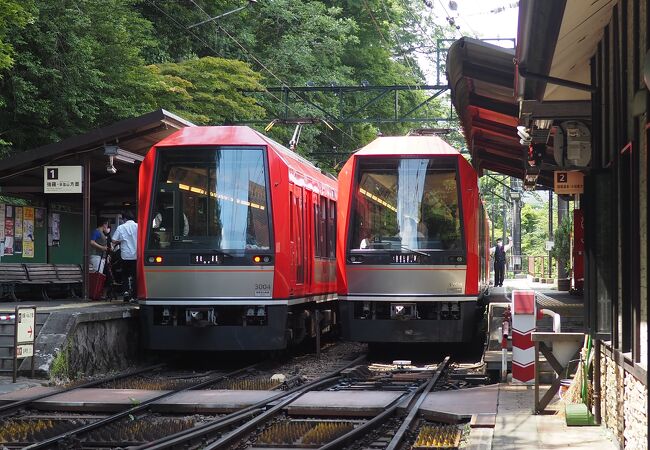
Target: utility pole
(550, 229)
(562, 213)
(506, 193)
(515, 194)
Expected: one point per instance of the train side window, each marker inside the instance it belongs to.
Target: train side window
(331, 229)
(317, 237)
(322, 224)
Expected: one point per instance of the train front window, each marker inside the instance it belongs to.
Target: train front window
(405, 204)
(210, 198)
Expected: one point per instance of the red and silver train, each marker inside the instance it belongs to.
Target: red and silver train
(412, 255)
(237, 242)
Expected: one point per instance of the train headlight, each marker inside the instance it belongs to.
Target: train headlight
(155, 259)
(259, 259)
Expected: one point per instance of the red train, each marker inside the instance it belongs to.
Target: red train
(412, 251)
(237, 242)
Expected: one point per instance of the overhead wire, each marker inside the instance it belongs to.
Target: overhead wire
(450, 19)
(251, 55)
(397, 40)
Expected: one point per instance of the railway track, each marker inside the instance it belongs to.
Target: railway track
(275, 421)
(242, 422)
(8, 409)
(50, 431)
(32, 425)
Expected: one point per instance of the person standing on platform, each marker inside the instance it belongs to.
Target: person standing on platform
(127, 236)
(99, 246)
(499, 254)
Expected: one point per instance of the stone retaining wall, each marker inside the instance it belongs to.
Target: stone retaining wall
(86, 342)
(100, 347)
(623, 405)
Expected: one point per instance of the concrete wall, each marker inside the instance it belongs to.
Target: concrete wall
(624, 405)
(102, 346)
(88, 341)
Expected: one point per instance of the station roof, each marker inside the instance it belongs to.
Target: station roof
(482, 79)
(546, 79)
(21, 174)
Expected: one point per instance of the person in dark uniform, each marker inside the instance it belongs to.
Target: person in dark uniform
(499, 253)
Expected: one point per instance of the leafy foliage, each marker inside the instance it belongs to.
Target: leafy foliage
(206, 90)
(13, 16)
(562, 247)
(80, 64)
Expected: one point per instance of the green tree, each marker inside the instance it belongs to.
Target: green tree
(77, 65)
(206, 90)
(13, 16)
(80, 65)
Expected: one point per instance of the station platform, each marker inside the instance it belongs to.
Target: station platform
(74, 337)
(569, 307)
(517, 428)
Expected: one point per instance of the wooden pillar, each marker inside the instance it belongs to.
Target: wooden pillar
(86, 223)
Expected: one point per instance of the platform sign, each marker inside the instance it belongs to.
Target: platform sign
(568, 182)
(26, 325)
(62, 179)
(24, 332)
(24, 350)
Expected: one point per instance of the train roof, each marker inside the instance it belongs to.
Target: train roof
(239, 135)
(407, 145)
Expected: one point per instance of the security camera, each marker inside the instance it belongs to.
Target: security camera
(110, 167)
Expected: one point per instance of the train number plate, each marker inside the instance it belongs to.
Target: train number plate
(207, 259)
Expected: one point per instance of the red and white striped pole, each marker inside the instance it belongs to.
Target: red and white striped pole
(505, 332)
(523, 324)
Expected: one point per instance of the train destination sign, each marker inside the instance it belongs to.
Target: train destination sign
(62, 179)
(568, 182)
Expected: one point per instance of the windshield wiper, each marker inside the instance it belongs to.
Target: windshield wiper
(222, 253)
(415, 251)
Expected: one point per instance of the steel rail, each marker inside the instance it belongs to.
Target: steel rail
(341, 441)
(245, 428)
(397, 438)
(182, 437)
(7, 409)
(144, 405)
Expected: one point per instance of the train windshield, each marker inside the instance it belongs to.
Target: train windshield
(405, 204)
(210, 199)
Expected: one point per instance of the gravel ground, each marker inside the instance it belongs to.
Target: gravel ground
(332, 357)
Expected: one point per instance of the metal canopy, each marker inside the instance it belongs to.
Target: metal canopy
(482, 81)
(21, 174)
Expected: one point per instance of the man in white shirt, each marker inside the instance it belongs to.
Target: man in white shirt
(127, 236)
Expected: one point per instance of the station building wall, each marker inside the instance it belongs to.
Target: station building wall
(616, 226)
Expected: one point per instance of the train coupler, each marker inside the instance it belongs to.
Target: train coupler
(200, 317)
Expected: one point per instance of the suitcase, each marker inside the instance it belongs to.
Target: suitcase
(96, 281)
(96, 285)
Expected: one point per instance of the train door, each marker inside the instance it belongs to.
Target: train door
(296, 229)
(308, 205)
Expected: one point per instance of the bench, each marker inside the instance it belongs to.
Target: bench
(41, 275)
(10, 276)
(71, 275)
(48, 275)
